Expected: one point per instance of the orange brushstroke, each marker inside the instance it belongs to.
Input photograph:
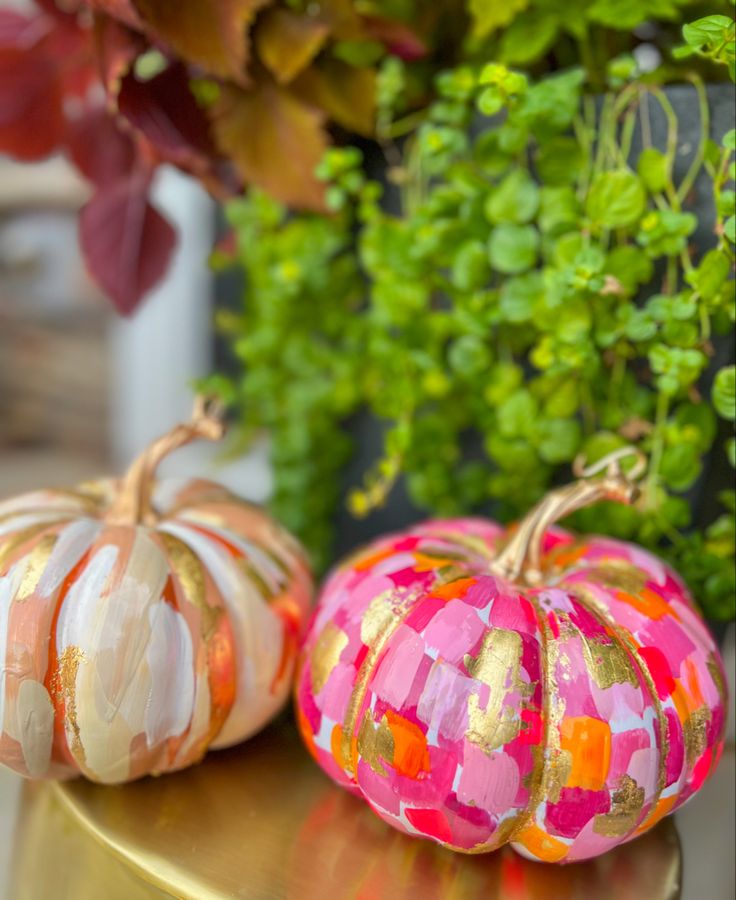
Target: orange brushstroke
(367, 562)
(454, 589)
(411, 755)
(541, 845)
(647, 602)
(588, 741)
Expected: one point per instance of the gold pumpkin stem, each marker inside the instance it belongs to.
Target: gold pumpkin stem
(520, 559)
(132, 504)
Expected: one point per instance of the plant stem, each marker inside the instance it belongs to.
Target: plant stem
(704, 113)
(671, 148)
(672, 279)
(655, 457)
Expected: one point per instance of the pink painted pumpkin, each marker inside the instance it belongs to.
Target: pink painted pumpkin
(142, 623)
(477, 688)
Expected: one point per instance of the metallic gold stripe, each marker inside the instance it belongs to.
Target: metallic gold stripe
(189, 572)
(539, 775)
(36, 562)
(10, 545)
(402, 606)
(466, 542)
(626, 641)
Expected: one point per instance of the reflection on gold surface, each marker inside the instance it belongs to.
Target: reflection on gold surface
(261, 821)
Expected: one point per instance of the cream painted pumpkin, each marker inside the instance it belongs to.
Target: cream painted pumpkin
(142, 623)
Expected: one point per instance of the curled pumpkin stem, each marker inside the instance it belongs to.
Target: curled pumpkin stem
(132, 504)
(521, 558)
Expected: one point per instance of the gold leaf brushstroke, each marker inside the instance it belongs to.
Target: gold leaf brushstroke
(546, 751)
(714, 670)
(375, 742)
(468, 542)
(618, 574)
(558, 773)
(591, 604)
(608, 664)
(10, 545)
(250, 571)
(626, 806)
(326, 654)
(497, 665)
(63, 688)
(189, 571)
(36, 563)
(695, 734)
(384, 615)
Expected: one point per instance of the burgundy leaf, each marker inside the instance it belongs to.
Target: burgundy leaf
(117, 48)
(59, 9)
(31, 104)
(164, 111)
(17, 30)
(127, 244)
(122, 10)
(399, 39)
(98, 147)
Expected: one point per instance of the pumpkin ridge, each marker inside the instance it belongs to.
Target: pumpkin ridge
(211, 619)
(538, 781)
(9, 554)
(626, 641)
(61, 694)
(357, 695)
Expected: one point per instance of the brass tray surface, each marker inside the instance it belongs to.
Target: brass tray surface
(262, 822)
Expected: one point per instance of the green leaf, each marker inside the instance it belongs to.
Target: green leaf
(630, 266)
(623, 15)
(559, 160)
(639, 326)
(470, 267)
(726, 203)
(729, 139)
(664, 232)
(694, 423)
(469, 356)
(680, 466)
(549, 106)
(516, 199)
(529, 37)
(520, 295)
(559, 209)
(724, 393)
(490, 15)
(512, 456)
(512, 249)
(558, 440)
(729, 229)
(653, 169)
(708, 32)
(601, 444)
(490, 101)
(503, 380)
(616, 199)
(710, 275)
(517, 414)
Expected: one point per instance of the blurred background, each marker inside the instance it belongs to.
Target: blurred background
(81, 389)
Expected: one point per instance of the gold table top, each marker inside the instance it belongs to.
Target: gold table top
(261, 821)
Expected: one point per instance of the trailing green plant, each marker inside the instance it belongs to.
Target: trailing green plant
(538, 289)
